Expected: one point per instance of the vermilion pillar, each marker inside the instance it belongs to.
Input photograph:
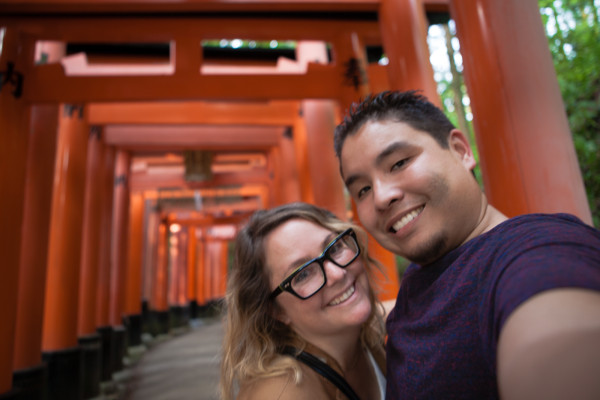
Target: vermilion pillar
(201, 269)
(182, 268)
(290, 184)
(177, 273)
(223, 264)
(29, 374)
(59, 339)
(159, 302)
(106, 184)
(150, 244)
(89, 339)
(179, 306)
(118, 257)
(210, 269)
(351, 58)
(191, 271)
(301, 152)
(133, 299)
(527, 157)
(119, 237)
(90, 250)
(275, 164)
(173, 263)
(328, 187)
(403, 26)
(319, 117)
(13, 158)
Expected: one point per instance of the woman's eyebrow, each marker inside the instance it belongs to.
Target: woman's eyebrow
(294, 265)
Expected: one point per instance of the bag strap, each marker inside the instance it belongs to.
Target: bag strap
(323, 369)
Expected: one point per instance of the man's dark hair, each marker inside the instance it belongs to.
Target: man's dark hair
(409, 107)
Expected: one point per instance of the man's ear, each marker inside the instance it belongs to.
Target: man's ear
(460, 147)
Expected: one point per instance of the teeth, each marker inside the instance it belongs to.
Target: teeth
(343, 297)
(406, 219)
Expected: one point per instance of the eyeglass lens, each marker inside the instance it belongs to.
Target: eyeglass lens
(312, 277)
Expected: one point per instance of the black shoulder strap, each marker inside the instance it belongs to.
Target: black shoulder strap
(322, 369)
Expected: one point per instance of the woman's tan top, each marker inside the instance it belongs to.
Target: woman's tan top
(313, 386)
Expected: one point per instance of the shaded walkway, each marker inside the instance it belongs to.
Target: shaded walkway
(183, 367)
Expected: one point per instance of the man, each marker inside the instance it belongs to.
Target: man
(490, 307)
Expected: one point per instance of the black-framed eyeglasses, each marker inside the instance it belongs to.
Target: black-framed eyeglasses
(310, 277)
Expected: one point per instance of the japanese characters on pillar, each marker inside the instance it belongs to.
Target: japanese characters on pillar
(13, 158)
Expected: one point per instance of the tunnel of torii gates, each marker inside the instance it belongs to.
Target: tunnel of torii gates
(124, 179)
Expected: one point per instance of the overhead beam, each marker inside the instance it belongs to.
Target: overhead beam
(61, 6)
(143, 182)
(56, 6)
(181, 137)
(49, 82)
(278, 113)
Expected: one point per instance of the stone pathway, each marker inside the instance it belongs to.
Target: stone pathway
(180, 367)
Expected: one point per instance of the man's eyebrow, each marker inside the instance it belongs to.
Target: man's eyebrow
(390, 149)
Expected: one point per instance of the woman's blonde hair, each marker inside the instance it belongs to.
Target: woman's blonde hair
(253, 336)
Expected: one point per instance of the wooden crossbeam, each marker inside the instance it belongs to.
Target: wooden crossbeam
(179, 137)
(49, 83)
(272, 113)
(61, 6)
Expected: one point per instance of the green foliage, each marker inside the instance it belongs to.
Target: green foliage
(573, 30)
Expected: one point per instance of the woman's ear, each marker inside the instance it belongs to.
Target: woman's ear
(460, 146)
(280, 315)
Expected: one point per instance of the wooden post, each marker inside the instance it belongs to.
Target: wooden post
(403, 25)
(89, 339)
(59, 339)
(528, 160)
(133, 279)
(326, 181)
(13, 159)
(106, 183)
(118, 255)
(192, 246)
(27, 362)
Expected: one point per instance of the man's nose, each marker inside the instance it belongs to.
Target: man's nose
(386, 192)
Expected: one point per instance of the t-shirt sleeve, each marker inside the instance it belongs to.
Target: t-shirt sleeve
(544, 268)
(541, 258)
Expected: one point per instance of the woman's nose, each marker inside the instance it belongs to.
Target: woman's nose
(333, 272)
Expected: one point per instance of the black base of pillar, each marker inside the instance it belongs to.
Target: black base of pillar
(159, 322)
(178, 316)
(146, 317)
(193, 309)
(31, 383)
(210, 309)
(91, 349)
(133, 325)
(106, 339)
(119, 348)
(64, 374)
(13, 394)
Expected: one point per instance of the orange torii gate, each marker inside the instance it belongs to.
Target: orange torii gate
(515, 101)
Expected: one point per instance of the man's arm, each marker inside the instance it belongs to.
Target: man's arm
(549, 348)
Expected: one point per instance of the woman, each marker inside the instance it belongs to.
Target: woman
(300, 292)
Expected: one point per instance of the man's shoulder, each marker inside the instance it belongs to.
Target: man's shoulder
(534, 229)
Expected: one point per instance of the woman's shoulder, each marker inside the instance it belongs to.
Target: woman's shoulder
(281, 387)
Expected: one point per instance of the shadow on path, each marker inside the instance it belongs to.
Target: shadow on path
(183, 367)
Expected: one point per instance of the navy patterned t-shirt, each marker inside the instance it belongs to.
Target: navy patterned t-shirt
(444, 328)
